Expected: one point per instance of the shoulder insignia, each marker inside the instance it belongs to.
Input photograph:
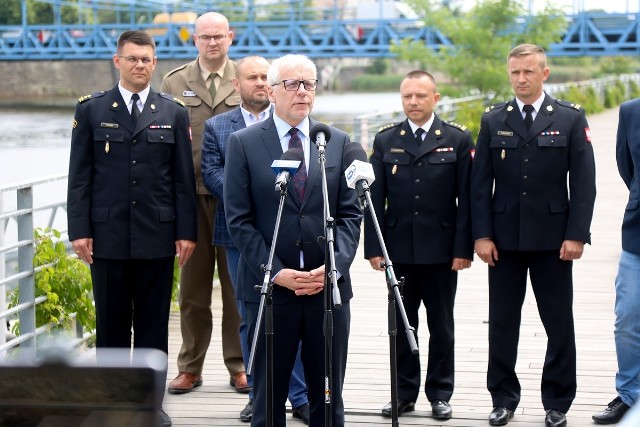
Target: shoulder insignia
(389, 126)
(569, 104)
(495, 107)
(172, 98)
(455, 125)
(176, 70)
(91, 96)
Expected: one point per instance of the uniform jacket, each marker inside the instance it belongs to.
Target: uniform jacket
(131, 189)
(186, 84)
(251, 205)
(421, 194)
(544, 178)
(628, 159)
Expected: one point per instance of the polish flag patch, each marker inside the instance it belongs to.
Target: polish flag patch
(473, 153)
(587, 134)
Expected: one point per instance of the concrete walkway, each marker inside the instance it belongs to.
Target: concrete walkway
(367, 381)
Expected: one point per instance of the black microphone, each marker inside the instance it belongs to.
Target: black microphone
(287, 166)
(320, 134)
(359, 173)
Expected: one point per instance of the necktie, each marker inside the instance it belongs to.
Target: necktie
(212, 86)
(528, 118)
(419, 135)
(135, 112)
(300, 178)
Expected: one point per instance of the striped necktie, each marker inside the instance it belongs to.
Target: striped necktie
(299, 180)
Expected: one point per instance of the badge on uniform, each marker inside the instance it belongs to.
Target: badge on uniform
(587, 134)
(503, 154)
(188, 93)
(394, 169)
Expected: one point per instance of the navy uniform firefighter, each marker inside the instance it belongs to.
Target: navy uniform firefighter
(422, 168)
(532, 203)
(131, 199)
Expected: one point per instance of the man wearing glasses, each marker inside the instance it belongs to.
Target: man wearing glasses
(251, 205)
(131, 203)
(205, 85)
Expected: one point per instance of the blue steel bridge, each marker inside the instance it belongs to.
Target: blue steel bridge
(273, 30)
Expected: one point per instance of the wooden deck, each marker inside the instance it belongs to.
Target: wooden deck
(367, 380)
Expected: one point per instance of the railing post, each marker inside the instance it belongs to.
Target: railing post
(3, 288)
(25, 263)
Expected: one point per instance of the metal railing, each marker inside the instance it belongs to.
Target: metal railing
(17, 225)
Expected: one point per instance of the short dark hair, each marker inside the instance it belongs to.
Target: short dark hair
(136, 37)
(418, 74)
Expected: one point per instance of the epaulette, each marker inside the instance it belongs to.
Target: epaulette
(91, 96)
(455, 125)
(495, 107)
(569, 104)
(171, 98)
(389, 126)
(176, 69)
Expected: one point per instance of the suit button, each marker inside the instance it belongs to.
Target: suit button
(526, 160)
(524, 193)
(298, 243)
(134, 141)
(416, 213)
(416, 197)
(134, 162)
(417, 180)
(133, 203)
(525, 177)
(526, 145)
(419, 164)
(107, 136)
(134, 182)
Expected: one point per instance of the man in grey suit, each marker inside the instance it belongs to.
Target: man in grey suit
(251, 83)
(298, 266)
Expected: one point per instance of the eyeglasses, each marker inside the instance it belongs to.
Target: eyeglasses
(293, 85)
(133, 60)
(217, 38)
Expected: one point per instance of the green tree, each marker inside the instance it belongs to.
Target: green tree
(481, 39)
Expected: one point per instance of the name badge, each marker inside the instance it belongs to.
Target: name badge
(188, 93)
(109, 125)
(504, 133)
(397, 150)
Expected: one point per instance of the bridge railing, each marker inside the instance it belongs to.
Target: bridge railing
(17, 248)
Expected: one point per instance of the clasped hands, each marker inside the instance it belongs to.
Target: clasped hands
(301, 282)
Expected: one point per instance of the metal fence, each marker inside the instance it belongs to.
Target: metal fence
(17, 253)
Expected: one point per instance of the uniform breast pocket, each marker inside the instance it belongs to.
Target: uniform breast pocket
(402, 159)
(504, 142)
(160, 136)
(442, 158)
(552, 141)
(103, 135)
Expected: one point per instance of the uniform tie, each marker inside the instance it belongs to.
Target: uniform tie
(212, 86)
(420, 135)
(528, 118)
(299, 180)
(135, 111)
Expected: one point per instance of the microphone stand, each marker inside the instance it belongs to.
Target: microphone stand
(266, 300)
(394, 299)
(332, 297)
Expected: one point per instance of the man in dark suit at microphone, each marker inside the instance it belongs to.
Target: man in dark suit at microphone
(422, 168)
(251, 206)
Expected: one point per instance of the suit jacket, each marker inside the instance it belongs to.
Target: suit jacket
(186, 84)
(421, 194)
(628, 159)
(131, 188)
(216, 133)
(251, 205)
(531, 207)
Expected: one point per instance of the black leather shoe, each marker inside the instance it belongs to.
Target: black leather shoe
(441, 410)
(555, 419)
(247, 412)
(403, 406)
(500, 416)
(163, 419)
(301, 412)
(613, 413)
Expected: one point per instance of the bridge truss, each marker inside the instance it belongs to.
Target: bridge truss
(274, 31)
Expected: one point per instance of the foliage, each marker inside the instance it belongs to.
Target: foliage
(378, 66)
(614, 95)
(585, 96)
(617, 65)
(66, 283)
(376, 83)
(469, 115)
(634, 90)
(481, 40)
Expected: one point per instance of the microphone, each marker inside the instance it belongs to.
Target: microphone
(320, 134)
(360, 173)
(287, 166)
